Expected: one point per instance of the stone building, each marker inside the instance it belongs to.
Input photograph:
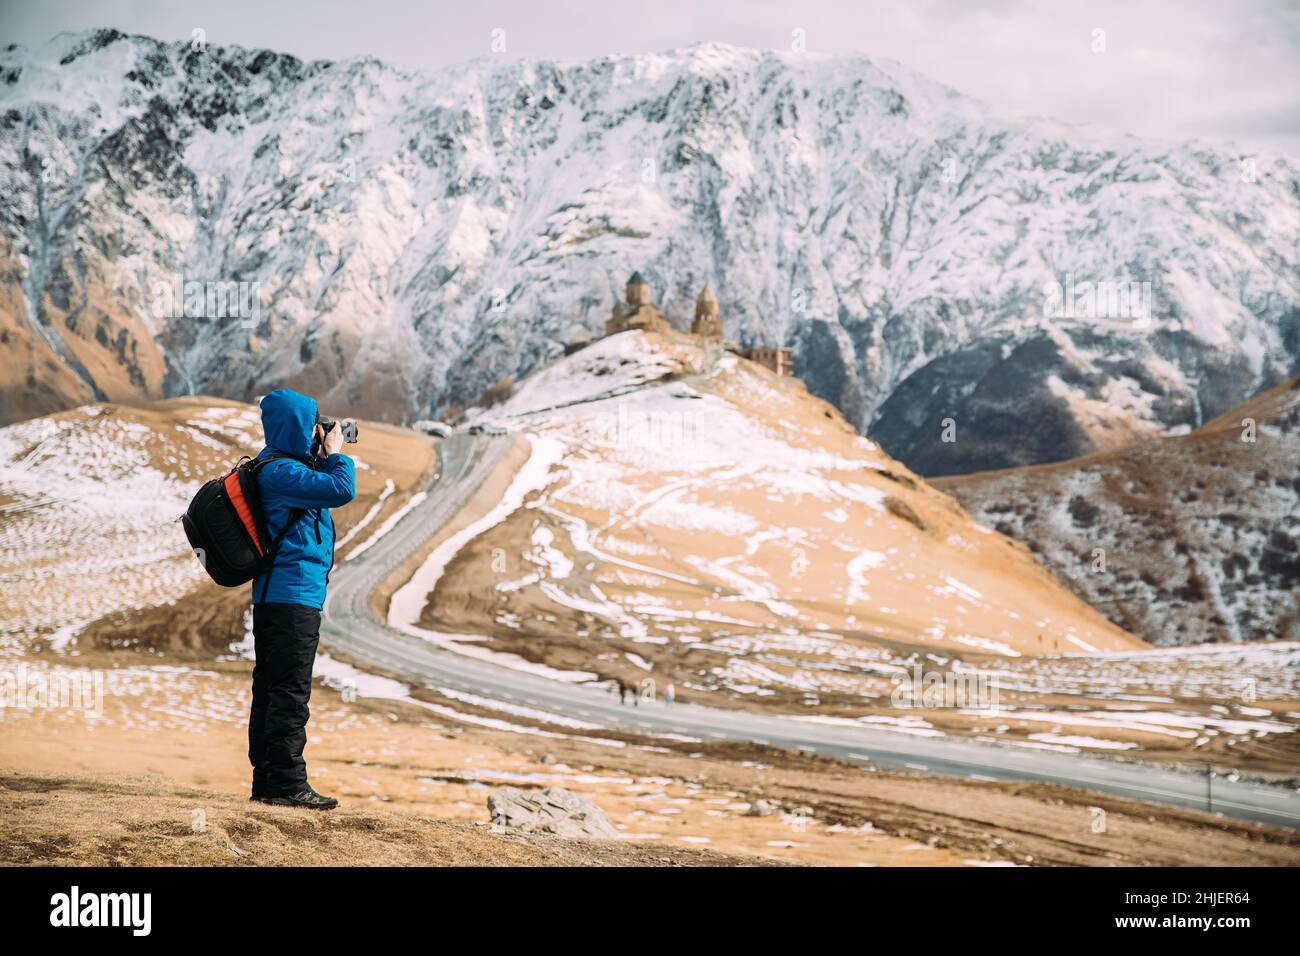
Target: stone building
(780, 360)
(707, 324)
(637, 312)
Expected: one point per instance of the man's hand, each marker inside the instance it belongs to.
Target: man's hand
(329, 441)
(333, 441)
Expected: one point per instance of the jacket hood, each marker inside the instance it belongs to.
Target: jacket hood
(288, 420)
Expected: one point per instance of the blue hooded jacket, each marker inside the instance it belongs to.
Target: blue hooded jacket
(302, 565)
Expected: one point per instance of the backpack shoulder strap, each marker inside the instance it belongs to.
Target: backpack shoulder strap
(294, 513)
(273, 548)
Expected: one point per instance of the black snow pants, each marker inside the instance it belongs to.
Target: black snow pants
(284, 641)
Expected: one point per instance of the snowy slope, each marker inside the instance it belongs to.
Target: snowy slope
(416, 237)
(89, 534)
(686, 512)
(89, 501)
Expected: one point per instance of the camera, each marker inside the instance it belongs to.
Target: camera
(348, 425)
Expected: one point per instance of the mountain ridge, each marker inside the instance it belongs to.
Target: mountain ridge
(416, 237)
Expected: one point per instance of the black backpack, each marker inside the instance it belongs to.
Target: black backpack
(227, 526)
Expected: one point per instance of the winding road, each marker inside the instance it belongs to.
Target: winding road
(349, 626)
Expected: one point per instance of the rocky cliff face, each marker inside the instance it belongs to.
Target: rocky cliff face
(407, 239)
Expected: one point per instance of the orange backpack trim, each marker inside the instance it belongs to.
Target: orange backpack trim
(235, 493)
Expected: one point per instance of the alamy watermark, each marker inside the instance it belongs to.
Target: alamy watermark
(1123, 301)
(133, 911)
(201, 299)
(24, 687)
(654, 429)
(931, 689)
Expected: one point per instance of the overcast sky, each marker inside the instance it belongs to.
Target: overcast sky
(1212, 69)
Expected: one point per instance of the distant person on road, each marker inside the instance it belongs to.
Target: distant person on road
(297, 492)
(670, 692)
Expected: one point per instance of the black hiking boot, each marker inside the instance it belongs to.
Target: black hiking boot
(306, 798)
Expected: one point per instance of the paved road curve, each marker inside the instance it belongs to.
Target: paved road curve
(351, 628)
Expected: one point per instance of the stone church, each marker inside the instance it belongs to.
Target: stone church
(707, 323)
(637, 312)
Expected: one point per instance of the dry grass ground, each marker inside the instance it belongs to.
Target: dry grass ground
(148, 821)
(433, 759)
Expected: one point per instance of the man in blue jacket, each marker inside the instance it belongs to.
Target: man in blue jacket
(308, 478)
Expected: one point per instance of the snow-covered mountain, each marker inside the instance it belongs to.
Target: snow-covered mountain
(409, 239)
